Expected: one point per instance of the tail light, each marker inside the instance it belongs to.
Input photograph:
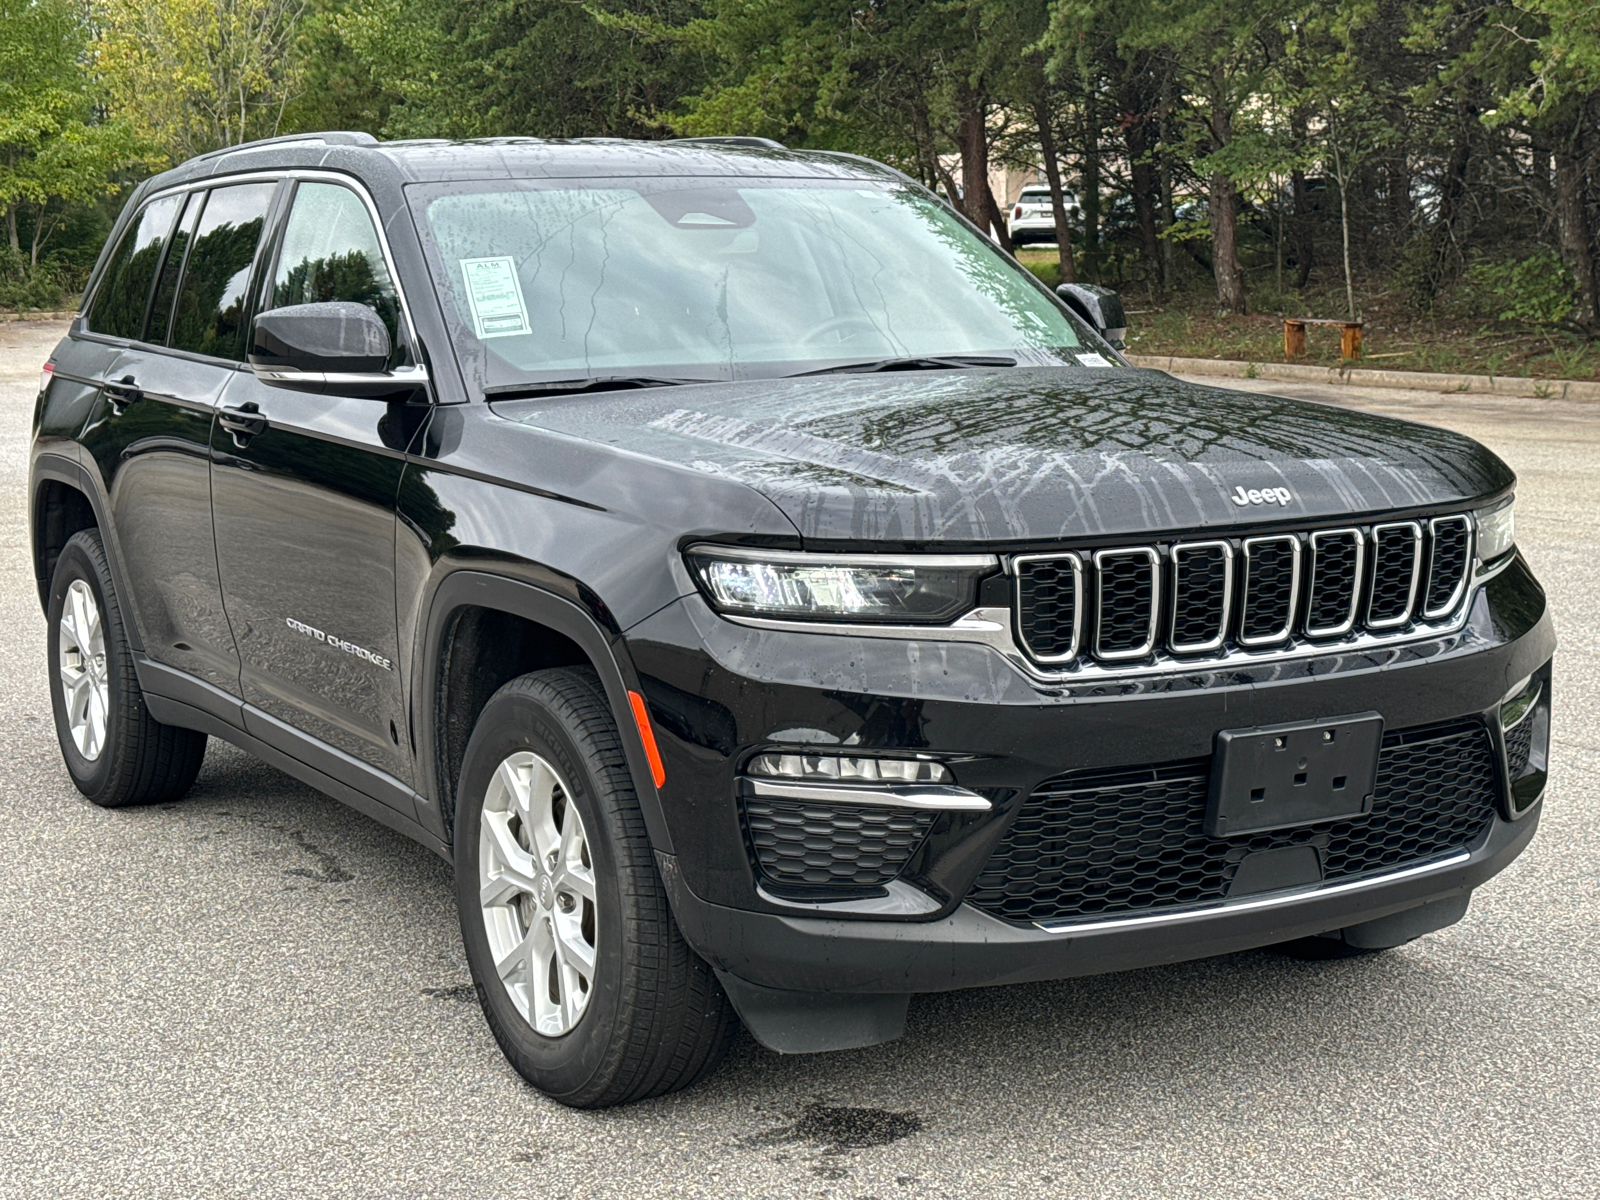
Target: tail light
(1016, 213)
(46, 374)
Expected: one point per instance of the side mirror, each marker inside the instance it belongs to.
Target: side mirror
(1099, 306)
(301, 346)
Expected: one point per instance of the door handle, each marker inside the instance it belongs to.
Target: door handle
(243, 422)
(120, 396)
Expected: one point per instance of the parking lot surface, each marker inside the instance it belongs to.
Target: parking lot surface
(257, 992)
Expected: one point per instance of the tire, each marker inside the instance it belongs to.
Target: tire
(133, 758)
(649, 1017)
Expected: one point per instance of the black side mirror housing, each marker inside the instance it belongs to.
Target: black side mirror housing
(1099, 306)
(337, 337)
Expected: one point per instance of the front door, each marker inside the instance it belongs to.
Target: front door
(303, 490)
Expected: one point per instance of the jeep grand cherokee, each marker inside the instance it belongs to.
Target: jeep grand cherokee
(769, 597)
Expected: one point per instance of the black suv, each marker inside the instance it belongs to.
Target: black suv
(771, 599)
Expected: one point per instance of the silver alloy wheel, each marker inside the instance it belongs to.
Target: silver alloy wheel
(536, 886)
(85, 690)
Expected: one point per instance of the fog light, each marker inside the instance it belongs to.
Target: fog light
(830, 767)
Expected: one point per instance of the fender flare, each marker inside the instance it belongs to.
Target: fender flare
(464, 588)
(61, 469)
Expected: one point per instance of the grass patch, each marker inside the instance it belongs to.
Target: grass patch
(1454, 341)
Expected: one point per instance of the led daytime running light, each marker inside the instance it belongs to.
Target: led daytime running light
(835, 768)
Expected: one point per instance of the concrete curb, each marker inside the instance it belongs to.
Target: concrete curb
(33, 314)
(1480, 385)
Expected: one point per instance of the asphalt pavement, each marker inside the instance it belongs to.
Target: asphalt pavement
(257, 992)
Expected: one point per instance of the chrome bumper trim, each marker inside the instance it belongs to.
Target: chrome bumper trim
(1275, 900)
(936, 796)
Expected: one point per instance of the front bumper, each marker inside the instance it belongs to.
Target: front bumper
(968, 948)
(719, 692)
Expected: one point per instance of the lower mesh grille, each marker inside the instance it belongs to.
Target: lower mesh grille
(1132, 841)
(858, 845)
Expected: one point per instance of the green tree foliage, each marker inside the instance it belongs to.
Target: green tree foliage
(56, 154)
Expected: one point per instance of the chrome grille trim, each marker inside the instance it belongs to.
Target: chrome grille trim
(1076, 563)
(1378, 534)
(1278, 635)
(1464, 523)
(1349, 622)
(1101, 557)
(1214, 643)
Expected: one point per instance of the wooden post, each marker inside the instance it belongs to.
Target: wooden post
(1350, 341)
(1294, 338)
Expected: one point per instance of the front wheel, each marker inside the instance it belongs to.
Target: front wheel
(586, 982)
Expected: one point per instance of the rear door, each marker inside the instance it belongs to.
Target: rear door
(149, 435)
(304, 489)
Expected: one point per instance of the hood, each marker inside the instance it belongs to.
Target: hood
(1029, 455)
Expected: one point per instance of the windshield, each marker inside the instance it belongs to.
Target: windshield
(715, 279)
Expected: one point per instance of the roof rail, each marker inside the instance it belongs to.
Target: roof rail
(754, 143)
(330, 138)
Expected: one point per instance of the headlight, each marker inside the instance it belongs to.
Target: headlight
(910, 590)
(1497, 530)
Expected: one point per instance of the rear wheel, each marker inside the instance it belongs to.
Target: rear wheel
(586, 982)
(115, 751)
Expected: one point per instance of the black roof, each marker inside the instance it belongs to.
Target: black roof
(440, 159)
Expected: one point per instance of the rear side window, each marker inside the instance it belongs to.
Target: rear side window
(331, 252)
(167, 285)
(118, 308)
(210, 312)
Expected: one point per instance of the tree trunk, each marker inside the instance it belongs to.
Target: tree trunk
(1224, 206)
(1146, 189)
(1140, 102)
(1305, 241)
(1224, 249)
(1090, 200)
(1052, 175)
(1573, 228)
(11, 228)
(977, 199)
(1169, 266)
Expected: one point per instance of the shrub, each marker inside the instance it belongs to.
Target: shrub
(22, 285)
(1535, 290)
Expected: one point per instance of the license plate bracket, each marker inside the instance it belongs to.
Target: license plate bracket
(1279, 776)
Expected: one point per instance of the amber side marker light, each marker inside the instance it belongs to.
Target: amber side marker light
(641, 718)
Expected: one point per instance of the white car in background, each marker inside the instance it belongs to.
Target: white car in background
(1031, 219)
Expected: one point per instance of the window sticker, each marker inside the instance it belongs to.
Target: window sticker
(1093, 360)
(495, 295)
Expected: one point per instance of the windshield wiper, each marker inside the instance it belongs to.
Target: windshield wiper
(942, 362)
(585, 383)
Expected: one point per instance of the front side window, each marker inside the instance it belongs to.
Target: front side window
(331, 252)
(209, 315)
(119, 302)
(720, 279)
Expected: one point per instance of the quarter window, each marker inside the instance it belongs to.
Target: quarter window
(210, 313)
(118, 308)
(331, 252)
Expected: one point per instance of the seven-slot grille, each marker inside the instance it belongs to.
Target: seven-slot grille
(1195, 598)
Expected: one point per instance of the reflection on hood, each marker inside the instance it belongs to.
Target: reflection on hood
(1028, 455)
